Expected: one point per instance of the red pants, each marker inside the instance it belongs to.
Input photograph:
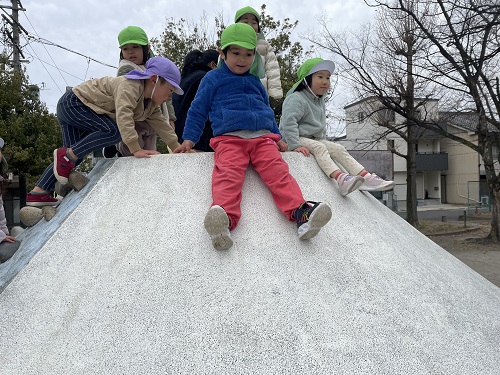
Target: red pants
(232, 155)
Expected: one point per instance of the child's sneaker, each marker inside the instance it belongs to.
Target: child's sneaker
(62, 165)
(348, 183)
(310, 219)
(40, 200)
(217, 226)
(375, 183)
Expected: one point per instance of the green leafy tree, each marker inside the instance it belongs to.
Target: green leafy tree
(30, 132)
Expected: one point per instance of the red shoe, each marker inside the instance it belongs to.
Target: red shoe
(62, 165)
(40, 200)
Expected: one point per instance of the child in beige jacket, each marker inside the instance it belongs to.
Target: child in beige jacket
(101, 112)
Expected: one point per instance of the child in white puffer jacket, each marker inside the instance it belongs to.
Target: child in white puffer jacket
(271, 79)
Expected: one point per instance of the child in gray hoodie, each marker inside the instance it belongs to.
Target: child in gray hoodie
(303, 127)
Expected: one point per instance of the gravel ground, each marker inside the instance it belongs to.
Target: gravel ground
(484, 258)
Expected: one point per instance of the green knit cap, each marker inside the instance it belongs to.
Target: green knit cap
(239, 34)
(312, 66)
(132, 35)
(245, 10)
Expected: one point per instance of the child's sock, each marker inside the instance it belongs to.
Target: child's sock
(363, 173)
(70, 157)
(38, 192)
(337, 174)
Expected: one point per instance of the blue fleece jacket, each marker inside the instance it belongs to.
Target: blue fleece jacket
(232, 102)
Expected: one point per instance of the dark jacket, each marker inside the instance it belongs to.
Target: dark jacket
(190, 83)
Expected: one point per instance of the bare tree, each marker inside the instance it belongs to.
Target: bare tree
(459, 67)
(385, 61)
(465, 39)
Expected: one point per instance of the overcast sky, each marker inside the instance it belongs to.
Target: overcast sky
(90, 27)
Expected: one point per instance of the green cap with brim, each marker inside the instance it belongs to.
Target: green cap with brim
(312, 66)
(239, 34)
(241, 12)
(244, 11)
(132, 35)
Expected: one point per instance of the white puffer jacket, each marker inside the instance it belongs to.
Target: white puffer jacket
(271, 81)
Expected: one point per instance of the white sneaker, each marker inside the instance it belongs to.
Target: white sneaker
(217, 226)
(348, 183)
(375, 183)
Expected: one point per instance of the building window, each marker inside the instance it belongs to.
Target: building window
(386, 115)
(390, 144)
(361, 116)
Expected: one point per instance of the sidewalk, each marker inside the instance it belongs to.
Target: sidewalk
(441, 207)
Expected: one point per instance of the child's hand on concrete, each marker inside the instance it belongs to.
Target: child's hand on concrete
(186, 146)
(145, 153)
(304, 151)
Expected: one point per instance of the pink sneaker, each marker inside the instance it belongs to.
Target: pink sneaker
(62, 165)
(375, 183)
(348, 183)
(40, 200)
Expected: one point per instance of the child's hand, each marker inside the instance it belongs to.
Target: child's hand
(145, 153)
(186, 146)
(282, 145)
(304, 151)
(9, 239)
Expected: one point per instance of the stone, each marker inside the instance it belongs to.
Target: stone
(62, 189)
(77, 181)
(16, 231)
(48, 212)
(30, 215)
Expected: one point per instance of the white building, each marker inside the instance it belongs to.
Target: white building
(447, 171)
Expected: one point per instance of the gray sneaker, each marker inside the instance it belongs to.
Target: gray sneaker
(348, 183)
(217, 226)
(375, 183)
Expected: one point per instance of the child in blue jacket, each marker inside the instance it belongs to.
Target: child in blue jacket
(244, 132)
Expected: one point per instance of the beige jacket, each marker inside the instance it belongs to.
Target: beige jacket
(122, 99)
(271, 81)
(126, 66)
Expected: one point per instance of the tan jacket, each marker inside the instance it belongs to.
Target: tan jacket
(126, 66)
(122, 99)
(271, 81)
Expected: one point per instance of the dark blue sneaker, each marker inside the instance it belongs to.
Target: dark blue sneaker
(311, 217)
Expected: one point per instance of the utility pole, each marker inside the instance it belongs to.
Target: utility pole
(13, 36)
(12, 39)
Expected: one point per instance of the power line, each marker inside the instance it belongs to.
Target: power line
(45, 41)
(47, 53)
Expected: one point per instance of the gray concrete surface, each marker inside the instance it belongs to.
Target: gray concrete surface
(128, 283)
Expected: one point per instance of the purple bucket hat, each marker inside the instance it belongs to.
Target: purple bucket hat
(164, 68)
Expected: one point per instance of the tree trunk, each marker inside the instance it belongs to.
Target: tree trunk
(411, 180)
(494, 234)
